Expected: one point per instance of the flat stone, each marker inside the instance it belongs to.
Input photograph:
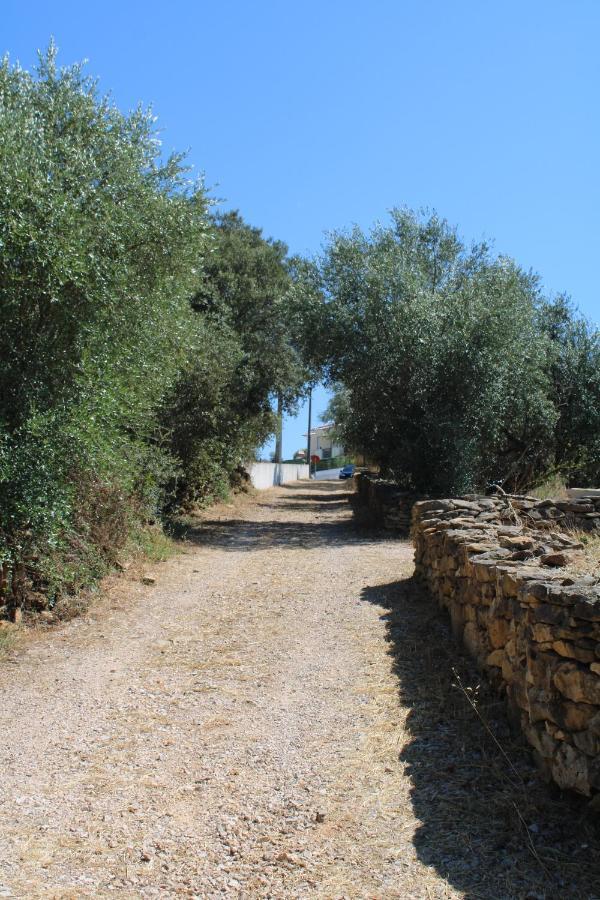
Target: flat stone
(516, 542)
(498, 632)
(495, 658)
(574, 716)
(577, 684)
(426, 505)
(573, 651)
(570, 769)
(555, 559)
(588, 742)
(466, 505)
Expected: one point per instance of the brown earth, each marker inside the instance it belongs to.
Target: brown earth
(274, 717)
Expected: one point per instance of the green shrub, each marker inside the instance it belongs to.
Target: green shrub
(100, 245)
(142, 341)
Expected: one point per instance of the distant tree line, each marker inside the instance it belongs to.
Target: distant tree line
(450, 366)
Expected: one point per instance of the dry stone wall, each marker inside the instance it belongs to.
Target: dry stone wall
(580, 513)
(531, 625)
(381, 503)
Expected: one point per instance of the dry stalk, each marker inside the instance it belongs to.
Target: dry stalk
(513, 513)
(475, 709)
(530, 843)
(531, 847)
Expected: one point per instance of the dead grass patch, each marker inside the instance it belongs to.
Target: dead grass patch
(554, 487)
(588, 562)
(8, 638)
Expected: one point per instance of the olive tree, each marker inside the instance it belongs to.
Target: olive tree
(439, 351)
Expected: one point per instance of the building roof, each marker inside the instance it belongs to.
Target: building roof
(320, 429)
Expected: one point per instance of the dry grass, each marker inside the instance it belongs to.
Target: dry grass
(588, 562)
(553, 487)
(8, 638)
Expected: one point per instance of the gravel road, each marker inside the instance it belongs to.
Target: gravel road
(234, 730)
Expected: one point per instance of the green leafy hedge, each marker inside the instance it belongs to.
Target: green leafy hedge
(141, 338)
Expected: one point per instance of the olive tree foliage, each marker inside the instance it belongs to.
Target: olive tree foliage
(100, 243)
(574, 373)
(221, 409)
(443, 364)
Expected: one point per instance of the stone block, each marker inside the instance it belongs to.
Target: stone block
(541, 668)
(507, 670)
(570, 769)
(541, 705)
(484, 570)
(516, 542)
(539, 738)
(542, 632)
(550, 614)
(587, 742)
(475, 642)
(427, 505)
(556, 559)
(574, 651)
(577, 683)
(498, 632)
(495, 658)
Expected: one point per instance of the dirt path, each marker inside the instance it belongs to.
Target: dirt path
(237, 730)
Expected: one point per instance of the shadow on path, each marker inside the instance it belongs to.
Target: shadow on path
(492, 833)
(334, 497)
(282, 528)
(242, 535)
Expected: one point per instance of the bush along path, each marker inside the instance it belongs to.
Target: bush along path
(274, 717)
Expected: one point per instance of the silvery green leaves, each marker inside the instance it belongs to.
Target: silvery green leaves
(445, 365)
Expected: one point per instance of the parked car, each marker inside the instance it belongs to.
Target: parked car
(347, 471)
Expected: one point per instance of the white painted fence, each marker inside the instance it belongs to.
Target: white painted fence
(265, 474)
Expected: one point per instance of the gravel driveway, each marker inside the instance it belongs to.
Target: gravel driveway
(237, 728)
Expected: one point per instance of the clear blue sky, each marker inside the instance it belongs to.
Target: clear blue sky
(309, 116)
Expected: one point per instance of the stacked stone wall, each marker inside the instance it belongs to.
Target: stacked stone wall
(580, 513)
(383, 504)
(533, 627)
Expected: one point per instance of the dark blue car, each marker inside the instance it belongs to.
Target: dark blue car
(347, 471)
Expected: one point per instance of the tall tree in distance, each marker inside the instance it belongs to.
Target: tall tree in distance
(221, 410)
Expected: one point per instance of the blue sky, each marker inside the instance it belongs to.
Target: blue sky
(310, 116)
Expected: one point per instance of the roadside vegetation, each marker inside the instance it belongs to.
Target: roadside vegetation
(450, 366)
(146, 339)
(142, 336)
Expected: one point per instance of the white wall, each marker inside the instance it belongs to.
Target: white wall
(265, 475)
(327, 475)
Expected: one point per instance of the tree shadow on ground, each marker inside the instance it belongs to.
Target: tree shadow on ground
(316, 505)
(238, 535)
(318, 497)
(490, 826)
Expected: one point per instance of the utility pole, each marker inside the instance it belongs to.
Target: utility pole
(309, 427)
(279, 438)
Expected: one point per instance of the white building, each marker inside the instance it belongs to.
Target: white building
(322, 443)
